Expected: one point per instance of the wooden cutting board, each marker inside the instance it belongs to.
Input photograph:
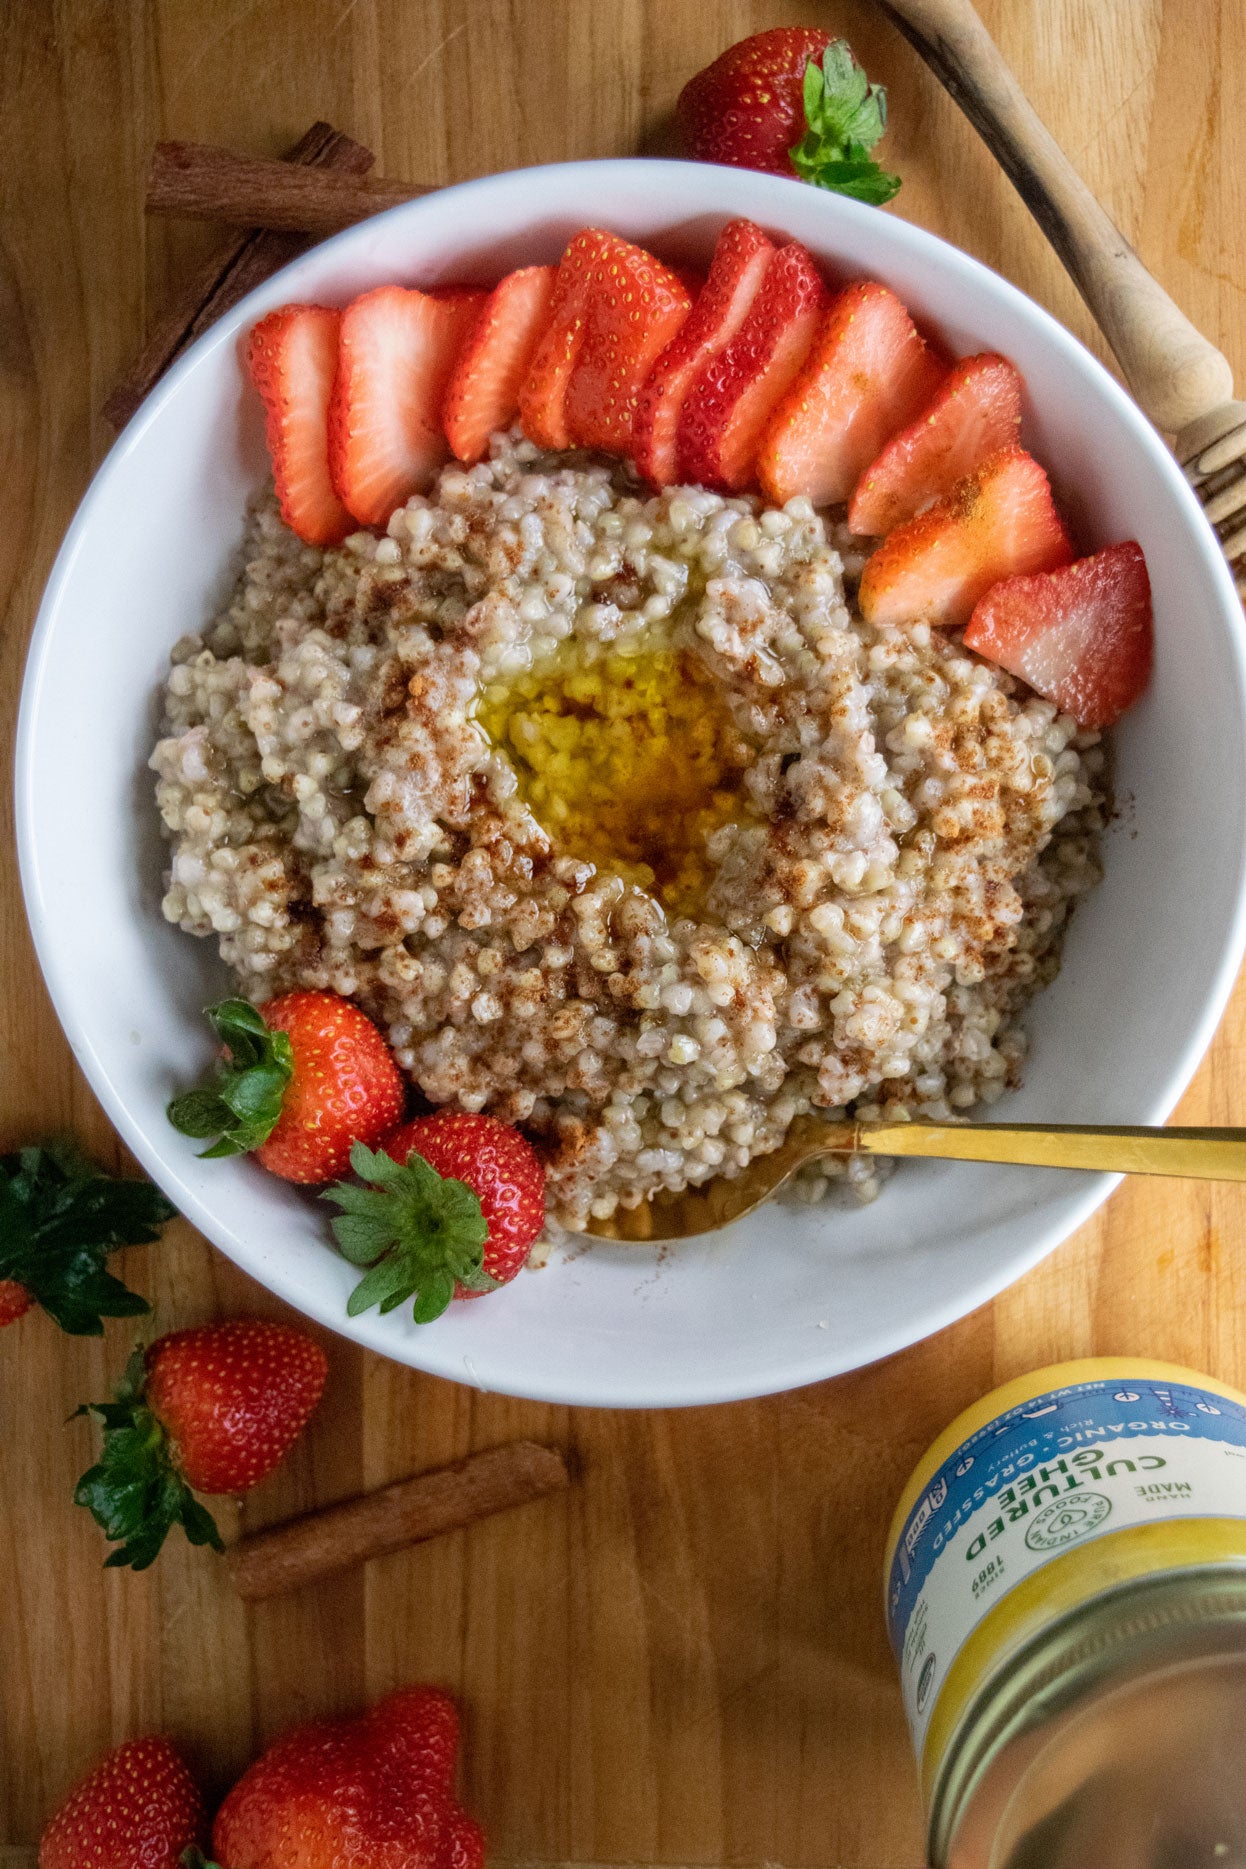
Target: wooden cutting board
(682, 1661)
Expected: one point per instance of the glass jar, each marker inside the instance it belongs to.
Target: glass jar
(1066, 1597)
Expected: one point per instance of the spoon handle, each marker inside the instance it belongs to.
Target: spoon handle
(1203, 1154)
(1172, 369)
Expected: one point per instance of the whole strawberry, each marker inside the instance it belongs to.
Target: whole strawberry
(15, 1301)
(215, 1408)
(455, 1204)
(140, 1806)
(790, 102)
(307, 1075)
(355, 1794)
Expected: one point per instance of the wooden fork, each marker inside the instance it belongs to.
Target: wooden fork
(1179, 379)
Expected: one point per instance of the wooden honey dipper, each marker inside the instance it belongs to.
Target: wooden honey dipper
(1178, 378)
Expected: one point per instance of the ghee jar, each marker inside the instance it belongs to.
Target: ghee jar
(1066, 1598)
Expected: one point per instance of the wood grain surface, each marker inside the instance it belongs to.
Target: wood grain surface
(682, 1660)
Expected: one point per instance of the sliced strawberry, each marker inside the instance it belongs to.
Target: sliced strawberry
(867, 374)
(975, 413)
(728, 406)
(1082, 636)
(740, 259)
(543, 392)
(483, 393)
(397, 351)
(614, 308)
(292, 358)
(999, 523)
(635, 307)
(692, 279)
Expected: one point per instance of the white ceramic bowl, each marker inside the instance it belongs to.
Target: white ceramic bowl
(787, 1297)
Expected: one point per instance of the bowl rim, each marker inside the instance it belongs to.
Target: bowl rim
(756, 192)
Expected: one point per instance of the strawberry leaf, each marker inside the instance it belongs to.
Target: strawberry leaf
(421, 1234)
(860, 180)
(194, 1858)
(840, 102)
(60, 1217)
(242, 1102)
(845, 116)
(134, 1492)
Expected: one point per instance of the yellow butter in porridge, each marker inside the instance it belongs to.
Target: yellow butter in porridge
(631, 760)
(619, 820)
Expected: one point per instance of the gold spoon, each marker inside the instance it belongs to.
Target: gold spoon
(1202, 1154)
(1180, 379)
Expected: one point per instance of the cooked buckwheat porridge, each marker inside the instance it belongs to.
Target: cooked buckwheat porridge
(621, 823)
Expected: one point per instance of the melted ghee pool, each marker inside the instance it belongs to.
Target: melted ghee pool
(630, 761)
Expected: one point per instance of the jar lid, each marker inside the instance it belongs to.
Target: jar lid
(1114, 1739)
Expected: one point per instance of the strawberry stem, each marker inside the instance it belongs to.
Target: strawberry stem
(242, 1101)
(135, 1492)
(845, 116)
(60, 1218)
(421, 1234)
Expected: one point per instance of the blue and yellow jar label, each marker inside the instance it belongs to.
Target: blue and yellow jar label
(1049, 1474)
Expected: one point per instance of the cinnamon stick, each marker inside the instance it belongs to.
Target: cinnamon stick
(406, 1513)
(201, 182)
(229, 274)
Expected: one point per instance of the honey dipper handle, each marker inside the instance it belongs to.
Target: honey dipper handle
(1174, 372)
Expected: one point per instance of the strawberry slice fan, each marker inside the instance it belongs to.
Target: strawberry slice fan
(757, 379)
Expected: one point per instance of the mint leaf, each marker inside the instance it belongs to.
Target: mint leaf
(845, 116)
(60, 1218)
(421, 1234)
(241, 1103)
(134, 1491)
